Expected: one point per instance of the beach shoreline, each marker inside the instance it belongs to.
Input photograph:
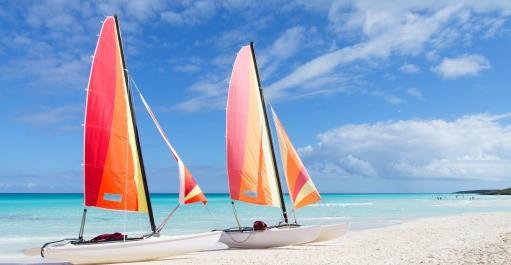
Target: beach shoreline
(469, 238)
(480, 238)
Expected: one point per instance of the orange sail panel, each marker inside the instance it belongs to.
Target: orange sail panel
(252, 176)
(300, 185)
(113, 176)
(189, 190)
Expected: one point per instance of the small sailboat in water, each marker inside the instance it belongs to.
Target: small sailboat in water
(114, 171)
(252, 168)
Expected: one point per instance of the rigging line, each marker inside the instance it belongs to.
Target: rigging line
(213, 217)
(167, 142)
(293, 211)
(235, 214)
(156, 123)
(162, 225)
(126, 180)
(134, 84)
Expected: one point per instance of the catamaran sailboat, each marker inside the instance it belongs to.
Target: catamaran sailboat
(251, 164)
(252, 168)
(114, 171)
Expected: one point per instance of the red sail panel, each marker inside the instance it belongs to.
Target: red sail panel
(301, 188)
(113, 177)
(189, 190)
(252, 176)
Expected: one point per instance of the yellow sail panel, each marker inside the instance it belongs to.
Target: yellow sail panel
(113, 175)
(252, 176)
(137, 170)
(301, 188)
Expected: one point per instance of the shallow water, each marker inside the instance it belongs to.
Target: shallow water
(29, 220)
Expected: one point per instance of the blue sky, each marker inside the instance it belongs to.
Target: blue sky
(405, 96)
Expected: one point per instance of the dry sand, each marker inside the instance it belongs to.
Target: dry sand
(482, 238)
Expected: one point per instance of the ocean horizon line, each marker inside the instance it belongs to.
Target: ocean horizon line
(225, 193)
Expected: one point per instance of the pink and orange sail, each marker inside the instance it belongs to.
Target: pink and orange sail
(251, 170)
(189, 190)
(112, 166)
(252, 176)
(301, 188)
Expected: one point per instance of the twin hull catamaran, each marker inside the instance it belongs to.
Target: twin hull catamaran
(252, 167)
(114, 171)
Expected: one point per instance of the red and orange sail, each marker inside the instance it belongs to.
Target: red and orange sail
(252, 176)
(189, 190)
(112, 167)
(300, 185)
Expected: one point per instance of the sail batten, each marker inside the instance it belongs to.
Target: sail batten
(301, 188)
(112, 163)
(251, 171)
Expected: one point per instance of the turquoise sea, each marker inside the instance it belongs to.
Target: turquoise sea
(29, 220)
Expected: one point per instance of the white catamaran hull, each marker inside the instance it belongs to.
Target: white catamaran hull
(329, 232)
(132, 250)
(274, 237)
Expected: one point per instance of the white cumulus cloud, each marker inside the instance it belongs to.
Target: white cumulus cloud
(464, 65)
(476, 147)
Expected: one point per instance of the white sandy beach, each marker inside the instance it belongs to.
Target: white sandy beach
(483, 238)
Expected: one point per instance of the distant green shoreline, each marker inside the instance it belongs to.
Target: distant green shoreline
(487, 192)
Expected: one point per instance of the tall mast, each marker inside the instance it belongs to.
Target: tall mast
(139, 150)
(281, 195)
